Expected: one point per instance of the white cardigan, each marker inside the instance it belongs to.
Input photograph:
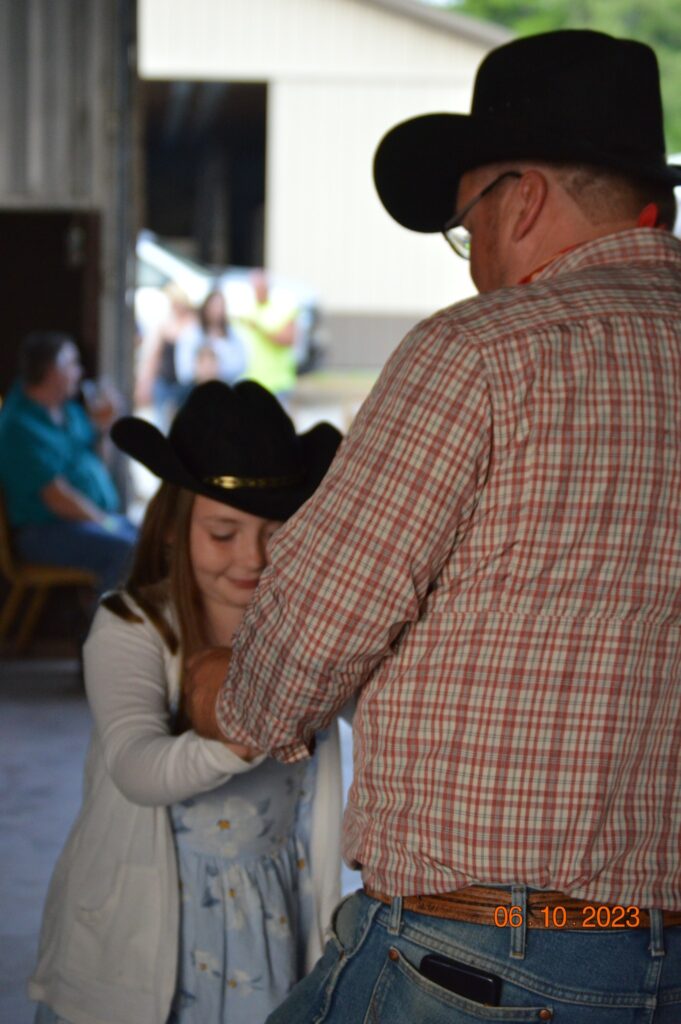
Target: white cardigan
(108, 946)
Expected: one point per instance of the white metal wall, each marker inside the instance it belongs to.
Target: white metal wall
(340, 73)
(257, 40)
(325, 223)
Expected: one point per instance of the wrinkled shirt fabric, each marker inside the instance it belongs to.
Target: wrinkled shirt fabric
(494, 563)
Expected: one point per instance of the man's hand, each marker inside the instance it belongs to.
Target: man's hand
(204, 677)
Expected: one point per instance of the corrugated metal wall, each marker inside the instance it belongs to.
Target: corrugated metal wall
(66, 106)
(55, 75)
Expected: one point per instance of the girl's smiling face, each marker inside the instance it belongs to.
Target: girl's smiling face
(228, 552)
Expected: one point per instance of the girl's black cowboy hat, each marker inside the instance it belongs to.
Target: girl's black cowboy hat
(570, 96)
(236, 445)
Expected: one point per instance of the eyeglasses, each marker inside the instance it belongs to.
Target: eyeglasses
(456, 234)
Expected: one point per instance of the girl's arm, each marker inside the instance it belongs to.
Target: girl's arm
(125, 680)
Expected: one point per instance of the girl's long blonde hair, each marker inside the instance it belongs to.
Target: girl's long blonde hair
(162, 574)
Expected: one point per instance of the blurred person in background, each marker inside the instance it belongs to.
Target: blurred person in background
(158, 384)
(270, 333)
(62, 503)
(211, 348)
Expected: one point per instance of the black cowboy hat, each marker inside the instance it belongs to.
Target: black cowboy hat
(571, 96)
(235, 445)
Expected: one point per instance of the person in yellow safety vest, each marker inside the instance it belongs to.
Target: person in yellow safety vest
(269, 333)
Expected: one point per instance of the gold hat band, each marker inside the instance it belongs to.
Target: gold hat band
(232, 483)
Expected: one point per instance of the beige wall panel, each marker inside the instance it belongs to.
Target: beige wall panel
(325, 223)
(265, 39)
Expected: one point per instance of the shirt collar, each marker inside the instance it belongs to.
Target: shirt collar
(641, 245)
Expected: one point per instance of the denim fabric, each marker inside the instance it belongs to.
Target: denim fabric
(369, 973)
(82, 545)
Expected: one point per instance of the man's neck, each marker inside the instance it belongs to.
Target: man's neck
(554, 247)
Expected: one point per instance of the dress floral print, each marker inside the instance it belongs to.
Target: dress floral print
(246, 894)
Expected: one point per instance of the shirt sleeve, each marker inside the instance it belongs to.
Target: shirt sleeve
(126, 687)
(351, 571)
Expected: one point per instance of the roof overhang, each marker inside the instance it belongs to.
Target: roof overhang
(486, 33)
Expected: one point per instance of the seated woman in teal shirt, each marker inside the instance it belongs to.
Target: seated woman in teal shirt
(62, 504)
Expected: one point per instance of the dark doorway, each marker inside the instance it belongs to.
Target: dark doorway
(204, 146)
(50, 267)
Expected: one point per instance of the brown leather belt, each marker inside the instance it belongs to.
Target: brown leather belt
(479, 904)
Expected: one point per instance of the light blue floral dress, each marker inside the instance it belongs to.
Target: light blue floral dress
(247, 903)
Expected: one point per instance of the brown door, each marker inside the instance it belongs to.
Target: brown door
(49, 267)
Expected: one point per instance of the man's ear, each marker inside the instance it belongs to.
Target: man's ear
(531, 196)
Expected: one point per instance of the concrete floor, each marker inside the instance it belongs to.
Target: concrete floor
(44, 731)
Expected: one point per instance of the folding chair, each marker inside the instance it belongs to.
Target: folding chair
(26, 577)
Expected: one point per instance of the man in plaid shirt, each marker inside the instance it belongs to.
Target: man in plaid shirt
(493, 566)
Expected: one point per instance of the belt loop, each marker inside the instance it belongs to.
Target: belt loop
(519, 899)
(395, 916)
(656, 946)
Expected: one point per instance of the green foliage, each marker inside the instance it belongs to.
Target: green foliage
(656, 22)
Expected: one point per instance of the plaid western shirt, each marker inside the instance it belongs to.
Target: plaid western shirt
(494, 563)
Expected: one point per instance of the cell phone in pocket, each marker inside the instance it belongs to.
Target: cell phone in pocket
(470, 982)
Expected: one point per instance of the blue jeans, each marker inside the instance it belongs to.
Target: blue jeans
(81, 545)
(369, 972)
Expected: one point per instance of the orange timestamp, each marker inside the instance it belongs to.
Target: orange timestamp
(588, 916)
